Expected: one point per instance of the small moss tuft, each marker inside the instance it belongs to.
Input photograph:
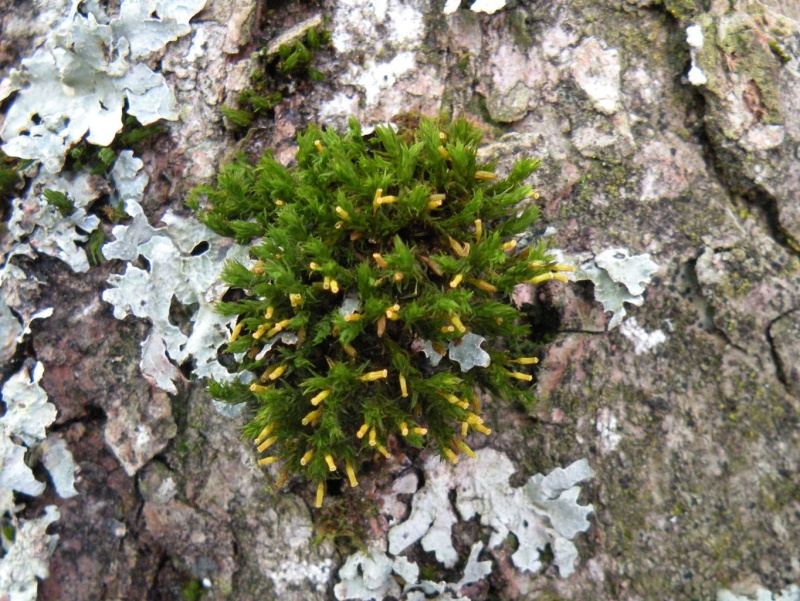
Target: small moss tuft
(371, 258)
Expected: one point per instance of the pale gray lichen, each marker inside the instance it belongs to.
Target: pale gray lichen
(42, 226)
(176, 271)
(26, 559)
(791, 593)
(543, 513)
(618, 278)
(467, 352)
(76, 86)
(28, 413)
(374, 575)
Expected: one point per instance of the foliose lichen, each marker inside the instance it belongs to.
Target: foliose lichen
(367, 251)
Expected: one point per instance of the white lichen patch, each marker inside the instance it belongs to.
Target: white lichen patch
(390, 34)
(42, 226)
(487, 6)
(28, 412)
(174, 272)
(791, 593)
(608, 429)
(467, 352)
(177, 271)
(27, 558)
(643, 341)
(596, 70)
(27, 415)
(76, 86)
(543, 512)
(695, 40)
(374, 575)
(618, 278)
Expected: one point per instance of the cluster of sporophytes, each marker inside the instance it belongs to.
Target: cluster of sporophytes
(378, 295)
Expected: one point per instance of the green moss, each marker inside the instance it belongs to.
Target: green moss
(681, 9)
(276, 76)
(417, 238)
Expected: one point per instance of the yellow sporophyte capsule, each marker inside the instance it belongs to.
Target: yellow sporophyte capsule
(350, 350)
(485, 176)
(278, 327)
(351, 474)
(442, 136)
(326, 282)
(404, 428)
(342, 213)
(296, 299)
(420, 431)
(478, 230)
(262, 329)
(319, 145)
(267, 444)
(373, 437)
(319, 397)
(264, 433)
(465, 449)
(386, 200)
(473, 419)
(457, 247)
(456, 321)
(451, 456)
(362, 431)
(456, 281)
(562, 267)
(378, 194)
(334, 286)
(258, 268)
(509, 245)
(277, 372)
(448, 329)
(398, 276)
(371, 376)
(313, 265)
(258, 388)
(307, 457)
(443, 152)
(520, 376)
(403, 386)
(330, 462)
(310, 417)
(267, 461)
(546, 277)
(526, 361)
(482, 429)
(464, 428)
(380, 261)
(237, 329)
(382, 450)
(320, 495)
(483, 285)
(435, 201)
(279, 203)
(393, 312)
(451, 398)
(353, 317)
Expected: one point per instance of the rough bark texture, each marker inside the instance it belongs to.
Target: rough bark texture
(695, 442)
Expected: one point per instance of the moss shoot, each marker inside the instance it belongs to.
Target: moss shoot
(378, 294)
